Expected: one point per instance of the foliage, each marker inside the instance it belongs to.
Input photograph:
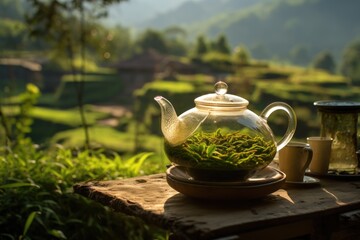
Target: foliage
(221, 45)
(351, 62)
(176, 47)
(18, 125)
(175, 32)
(109, 83)
(317, 77)
(159, 86)
(300, 55)
(11, 9)
(241, 55)
(11, 34)
(213, 55)
(303, 93)
(171, 41)
(106, 137)
(68, 117)
(35, 191)
(218, 61)
(278, 26)
(67, 25)
(185, 84)
(201, 47)
(152, 39)
(109, 44)
(56, 18)
(324, 61)
(36, 202)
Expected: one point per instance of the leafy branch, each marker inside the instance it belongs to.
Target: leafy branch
(62, 23)
(16, 127)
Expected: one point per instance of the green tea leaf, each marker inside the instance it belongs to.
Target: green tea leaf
(222, 149)
(210, 150)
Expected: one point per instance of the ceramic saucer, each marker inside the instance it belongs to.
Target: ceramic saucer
(336, 175)
(307, 182)
(261, 184)
(266, 175)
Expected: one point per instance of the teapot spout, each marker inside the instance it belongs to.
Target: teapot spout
(175, 130)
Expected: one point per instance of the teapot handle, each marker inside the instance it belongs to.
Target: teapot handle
(291, 121)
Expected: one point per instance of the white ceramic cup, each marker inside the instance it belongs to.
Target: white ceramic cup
(294, 159)
(321, 147)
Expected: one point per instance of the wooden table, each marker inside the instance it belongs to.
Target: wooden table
(329, 211)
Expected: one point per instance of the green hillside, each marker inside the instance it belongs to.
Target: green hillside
(194, 11)
(272, 29)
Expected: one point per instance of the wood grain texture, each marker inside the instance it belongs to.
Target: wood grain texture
(151, 198)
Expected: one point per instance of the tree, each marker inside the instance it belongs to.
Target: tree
(66, 24)
(221, 45)
(350, 66)
(10, 9)
(325, 62)
(201, 47)
(175, 32)
(300, 55)
(152, 39)
(109, 44)
(241, 55)
(176, 40)
(63, 23)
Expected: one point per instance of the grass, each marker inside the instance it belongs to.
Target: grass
(68, 117)
(305, 92)
(97, 88)
(164, 86)
(300, 85)
(108, 138)
(196, 78)
(105, 137)
(312, 76)
(36, 200)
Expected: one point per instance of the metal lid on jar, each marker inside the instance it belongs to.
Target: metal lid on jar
(336, 106)
(220, 100)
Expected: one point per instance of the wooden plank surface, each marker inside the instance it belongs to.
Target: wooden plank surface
(151, 198)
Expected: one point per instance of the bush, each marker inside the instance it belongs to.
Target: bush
(36, 201)
(218, 62)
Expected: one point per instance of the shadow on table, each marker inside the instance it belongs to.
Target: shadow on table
(202, 217)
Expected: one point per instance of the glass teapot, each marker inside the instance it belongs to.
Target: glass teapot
(220, 139)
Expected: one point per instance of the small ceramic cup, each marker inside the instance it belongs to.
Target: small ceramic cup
(294, 159)
(321, 147)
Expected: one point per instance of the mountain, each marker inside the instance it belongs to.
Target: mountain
(281, 29)
(284, 25)
(134, 12)
(194, 11)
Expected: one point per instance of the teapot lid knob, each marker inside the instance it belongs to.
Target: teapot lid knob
(220, 100)
(221, 88)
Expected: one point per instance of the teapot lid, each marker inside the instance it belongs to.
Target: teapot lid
(220, 99)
